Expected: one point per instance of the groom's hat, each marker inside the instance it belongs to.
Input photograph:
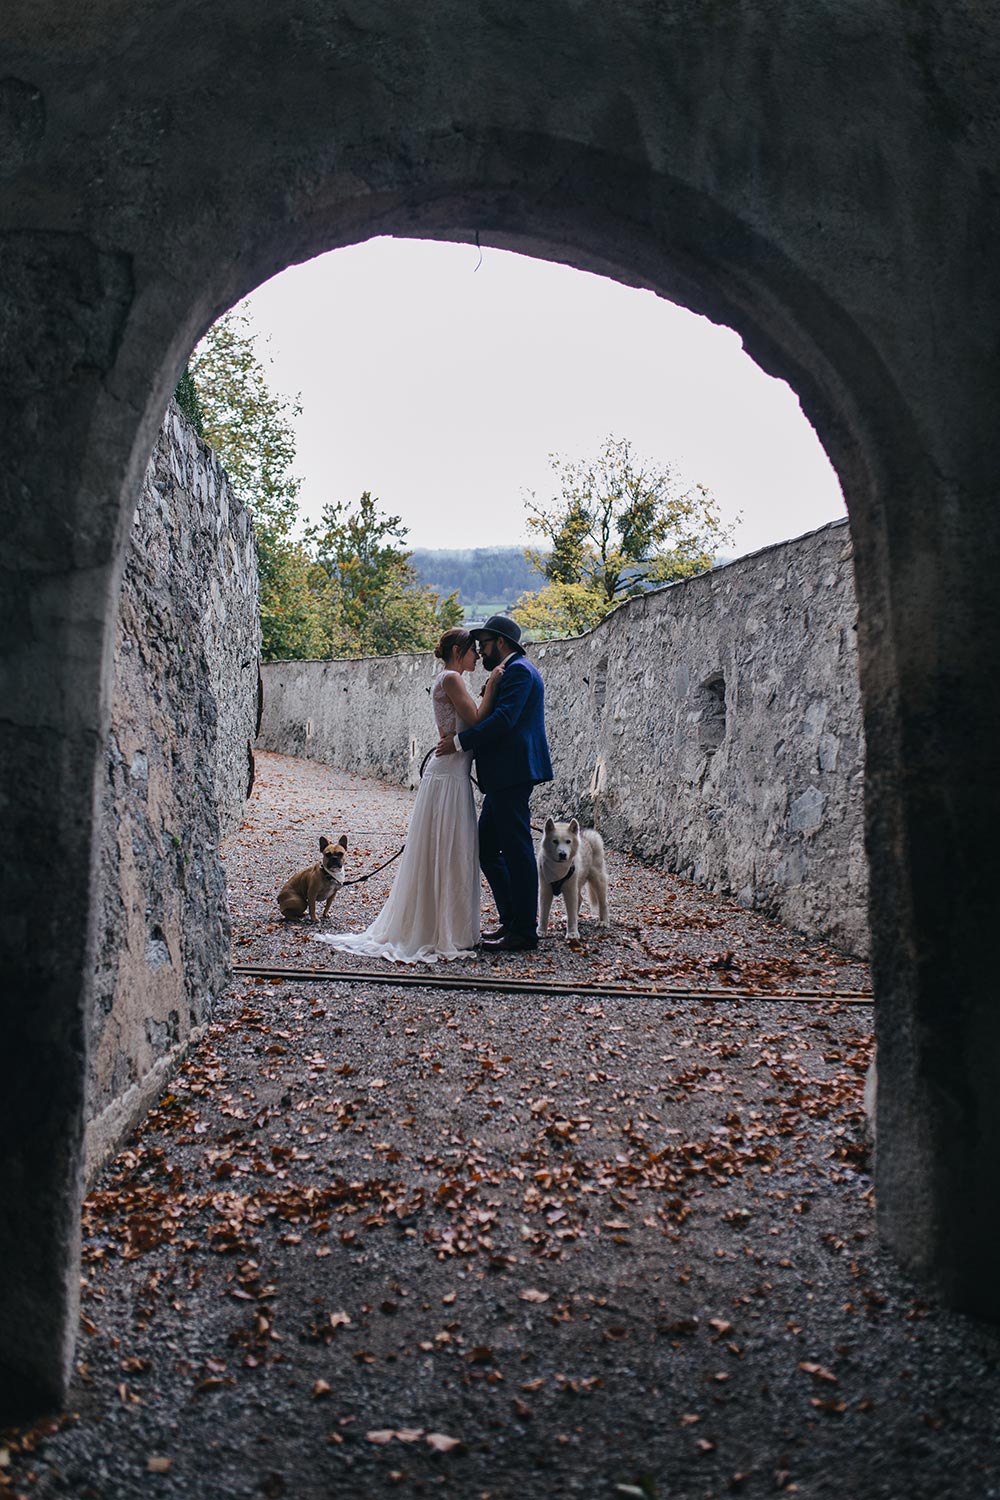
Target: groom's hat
(499, 625)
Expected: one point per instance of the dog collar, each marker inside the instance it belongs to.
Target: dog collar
(557, 885)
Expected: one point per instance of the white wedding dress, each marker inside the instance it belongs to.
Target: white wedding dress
(432, 911)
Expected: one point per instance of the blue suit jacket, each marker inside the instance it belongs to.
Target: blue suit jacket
(510, 745)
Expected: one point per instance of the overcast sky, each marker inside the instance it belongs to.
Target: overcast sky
(443, 388)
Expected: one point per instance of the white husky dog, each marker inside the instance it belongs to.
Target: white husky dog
(569, 859)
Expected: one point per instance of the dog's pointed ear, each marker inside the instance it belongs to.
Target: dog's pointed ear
(574, 826)
(323, 842)
(342, 841)
(549, 824)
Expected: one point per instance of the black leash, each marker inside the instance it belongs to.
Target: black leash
(427, 757)
(360, 879)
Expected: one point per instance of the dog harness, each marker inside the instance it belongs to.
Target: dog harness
(557, 885)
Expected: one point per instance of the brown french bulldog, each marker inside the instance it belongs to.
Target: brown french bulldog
(318, 882)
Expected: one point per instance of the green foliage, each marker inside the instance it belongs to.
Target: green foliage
(345, 588)
(250, 429)
(559, 609)
(382, 606)
(298, 609)
(617, 527)
(186, 396)
(248, 425)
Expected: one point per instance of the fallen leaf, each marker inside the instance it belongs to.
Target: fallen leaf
(530, 1294)
(818, 1372)
(441, 1443)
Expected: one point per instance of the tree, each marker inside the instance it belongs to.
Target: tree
(559, 609)
(382, 606)
(618, 526)
(186, 396)
(250, 429)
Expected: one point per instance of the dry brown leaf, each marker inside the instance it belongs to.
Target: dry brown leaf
(818, 1372)
(441, 1443)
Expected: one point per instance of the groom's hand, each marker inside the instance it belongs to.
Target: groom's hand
(445, 745)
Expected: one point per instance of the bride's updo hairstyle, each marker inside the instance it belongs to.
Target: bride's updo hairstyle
(454, 640)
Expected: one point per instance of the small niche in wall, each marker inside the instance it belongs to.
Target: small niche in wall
(710, 700)
(600, 683)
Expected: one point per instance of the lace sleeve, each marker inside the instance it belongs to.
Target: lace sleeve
(445, 716)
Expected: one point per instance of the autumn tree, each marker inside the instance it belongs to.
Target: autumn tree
(250, 428)
(382, 606)
(617, 526)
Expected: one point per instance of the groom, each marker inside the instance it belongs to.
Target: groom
(511, 755)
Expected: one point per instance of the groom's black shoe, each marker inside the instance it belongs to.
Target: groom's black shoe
(510, 942)
(491, 937)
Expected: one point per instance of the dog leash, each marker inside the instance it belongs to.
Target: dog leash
(427, 757)
(360, 879)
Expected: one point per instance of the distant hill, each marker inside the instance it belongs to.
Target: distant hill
(488, 579)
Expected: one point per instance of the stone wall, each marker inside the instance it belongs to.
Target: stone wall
(713, 725)
(179, 762)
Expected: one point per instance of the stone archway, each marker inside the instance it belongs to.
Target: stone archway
(820, 180)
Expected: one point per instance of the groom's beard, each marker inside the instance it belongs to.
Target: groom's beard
(490, 655)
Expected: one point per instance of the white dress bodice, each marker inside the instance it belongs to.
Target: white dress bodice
(446, 715)
(432, 911)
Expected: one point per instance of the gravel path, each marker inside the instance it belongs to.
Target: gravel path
(417, 1242)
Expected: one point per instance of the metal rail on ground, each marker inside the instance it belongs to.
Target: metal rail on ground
(513, 986)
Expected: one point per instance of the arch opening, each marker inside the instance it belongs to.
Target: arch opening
(733, 212)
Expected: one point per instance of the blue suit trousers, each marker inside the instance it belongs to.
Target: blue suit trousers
(507, 856)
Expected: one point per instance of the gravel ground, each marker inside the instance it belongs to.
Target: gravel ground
(420, 1241)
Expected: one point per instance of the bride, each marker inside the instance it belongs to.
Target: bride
(433, 907)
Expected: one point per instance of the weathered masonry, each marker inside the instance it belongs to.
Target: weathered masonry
(822, 177)
(714, 724)
(183, 718)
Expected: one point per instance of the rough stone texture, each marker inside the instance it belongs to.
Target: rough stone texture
(372, 717)
(820, 177)
(714, 725)
(182, 717)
